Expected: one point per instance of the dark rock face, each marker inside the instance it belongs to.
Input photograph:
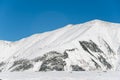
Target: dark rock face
(90, 46)
(2, 66)
(77, 68)
(96, 64)
(50, 61)
(108, 47)
(104, 62)
(53, 64)
(53, 61)
(21, 65)
(65, 55)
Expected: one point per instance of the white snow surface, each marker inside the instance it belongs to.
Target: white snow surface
(66, 38)
(61, 76)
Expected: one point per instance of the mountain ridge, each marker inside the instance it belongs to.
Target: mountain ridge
(90, 21)
(89, 46)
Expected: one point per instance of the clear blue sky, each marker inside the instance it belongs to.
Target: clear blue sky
(22, 18)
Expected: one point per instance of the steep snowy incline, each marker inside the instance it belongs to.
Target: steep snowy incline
(89, 46)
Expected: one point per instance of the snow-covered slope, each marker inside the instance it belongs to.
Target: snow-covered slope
(93, 45)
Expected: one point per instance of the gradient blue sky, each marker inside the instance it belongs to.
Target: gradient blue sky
(22, 18)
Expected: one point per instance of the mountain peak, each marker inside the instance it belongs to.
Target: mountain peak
(97, 21)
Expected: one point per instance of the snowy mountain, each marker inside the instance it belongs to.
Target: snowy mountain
(90, 46)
